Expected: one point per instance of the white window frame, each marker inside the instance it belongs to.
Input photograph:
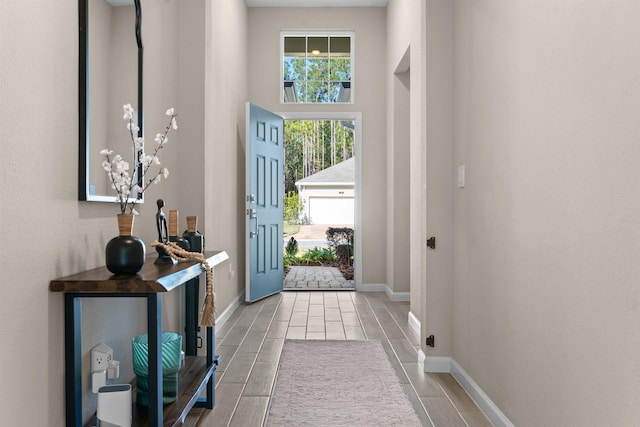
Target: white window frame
(317, 33)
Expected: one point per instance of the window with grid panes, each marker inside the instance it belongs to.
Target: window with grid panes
(317, 68)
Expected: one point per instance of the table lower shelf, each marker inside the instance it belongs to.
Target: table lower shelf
(192, 381)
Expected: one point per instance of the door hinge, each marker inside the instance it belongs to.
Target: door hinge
(431, 242)
(431, 341)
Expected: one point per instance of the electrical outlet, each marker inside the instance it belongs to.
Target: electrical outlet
(101, 357)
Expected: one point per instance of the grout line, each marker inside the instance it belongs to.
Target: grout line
(439, 384)
(364, 332)
(398, 359)
(288, 303)
(273, 385)
(254, 361)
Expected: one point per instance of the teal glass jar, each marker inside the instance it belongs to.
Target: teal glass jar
(171, 358)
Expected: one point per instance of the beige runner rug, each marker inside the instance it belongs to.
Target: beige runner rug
(338, 383)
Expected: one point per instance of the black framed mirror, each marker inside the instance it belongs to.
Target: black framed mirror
(110, 75)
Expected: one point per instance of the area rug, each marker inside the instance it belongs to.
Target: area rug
(338, 383)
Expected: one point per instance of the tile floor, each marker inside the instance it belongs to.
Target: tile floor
(251, 340)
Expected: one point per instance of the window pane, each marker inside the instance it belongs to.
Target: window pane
(317, 92)
(301, 91)
(294, 91)
(294, 68)
(318, 46)
(295, 46)
(334, 91)
(341, 46)
(340, 69)
(317, 69)
(340, 92)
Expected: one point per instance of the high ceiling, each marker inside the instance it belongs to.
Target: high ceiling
(293, 3)
(316, 3)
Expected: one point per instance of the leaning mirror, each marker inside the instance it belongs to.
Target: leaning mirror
(110, 75)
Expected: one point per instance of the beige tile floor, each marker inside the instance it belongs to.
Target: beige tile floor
(251, 340)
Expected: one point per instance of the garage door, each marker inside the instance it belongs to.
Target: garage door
(331, 210)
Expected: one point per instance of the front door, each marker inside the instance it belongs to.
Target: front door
(264, 203)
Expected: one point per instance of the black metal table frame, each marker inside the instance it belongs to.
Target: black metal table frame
(73, 354)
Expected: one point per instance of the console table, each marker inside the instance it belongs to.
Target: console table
(150, 283)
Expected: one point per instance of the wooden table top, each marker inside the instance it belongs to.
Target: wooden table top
(152, 277)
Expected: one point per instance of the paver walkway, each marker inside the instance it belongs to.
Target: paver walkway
(320, 278)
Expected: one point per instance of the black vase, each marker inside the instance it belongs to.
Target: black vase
(192, 235)
(125, 253)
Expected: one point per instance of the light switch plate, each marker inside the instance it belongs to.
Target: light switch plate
(461, 176)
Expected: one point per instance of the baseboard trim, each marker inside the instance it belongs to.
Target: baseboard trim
(437, 364)
(224, 316)
(372, 287)
(414, 323)
(397, 296)
(421, 357)
(383, 287)
(486, 405)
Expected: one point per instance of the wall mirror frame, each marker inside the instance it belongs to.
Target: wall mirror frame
(89, 146)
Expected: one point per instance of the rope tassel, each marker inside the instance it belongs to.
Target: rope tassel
(176, 252)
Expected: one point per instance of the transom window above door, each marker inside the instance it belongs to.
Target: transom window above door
(316, 67)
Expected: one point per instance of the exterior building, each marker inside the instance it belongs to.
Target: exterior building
(327, 197)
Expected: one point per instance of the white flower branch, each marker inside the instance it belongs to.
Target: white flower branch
(117, 168)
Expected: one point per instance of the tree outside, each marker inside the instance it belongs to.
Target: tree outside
(311, 146)
(319, 67)
(314, 145)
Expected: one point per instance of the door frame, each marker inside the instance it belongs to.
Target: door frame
(357, 122)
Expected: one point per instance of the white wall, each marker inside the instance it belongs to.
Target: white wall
(437, 36)
(398, 184)
(369, 25)
(191, 109)
(534, 292)
(399, 130)
(225, 96)
(54, 234)
(546, 269)
(420, 68)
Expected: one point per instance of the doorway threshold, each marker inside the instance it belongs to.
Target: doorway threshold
(316, 278)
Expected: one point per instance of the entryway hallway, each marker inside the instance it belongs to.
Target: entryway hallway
(250, 343)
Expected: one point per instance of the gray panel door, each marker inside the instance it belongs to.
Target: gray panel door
(264, 203)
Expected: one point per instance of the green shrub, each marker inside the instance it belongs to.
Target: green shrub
(292, 206)
(290, 260)
(341, 241)
(292, 247)
(318, 255)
